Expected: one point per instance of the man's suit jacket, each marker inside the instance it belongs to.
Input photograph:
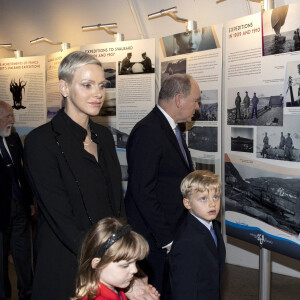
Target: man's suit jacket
(156, 167)
(195, 262)
(16, 151)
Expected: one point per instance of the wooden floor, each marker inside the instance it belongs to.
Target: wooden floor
(239, 283)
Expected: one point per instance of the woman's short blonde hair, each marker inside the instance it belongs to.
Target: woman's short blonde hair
(130, 247)
(199, 181)
(72, 62)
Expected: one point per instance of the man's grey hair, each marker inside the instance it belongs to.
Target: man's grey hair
(175, 84)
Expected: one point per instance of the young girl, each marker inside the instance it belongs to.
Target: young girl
(108, 260)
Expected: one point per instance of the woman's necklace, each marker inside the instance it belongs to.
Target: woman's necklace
(88, 143)
(87, 136)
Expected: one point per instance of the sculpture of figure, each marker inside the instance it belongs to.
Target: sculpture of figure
(16, 90)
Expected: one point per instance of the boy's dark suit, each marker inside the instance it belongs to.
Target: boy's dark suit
(195, 262)
(153, 200)
(14, 223)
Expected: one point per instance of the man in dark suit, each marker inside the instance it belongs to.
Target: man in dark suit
(15, 208)
(198, 253)
(158, 159)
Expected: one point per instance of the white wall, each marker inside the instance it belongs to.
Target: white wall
(22, 21)
(61, 21)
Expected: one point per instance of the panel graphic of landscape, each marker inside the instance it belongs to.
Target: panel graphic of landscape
(269, 199)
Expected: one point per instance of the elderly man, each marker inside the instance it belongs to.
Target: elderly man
(158, 159)
(15, 207)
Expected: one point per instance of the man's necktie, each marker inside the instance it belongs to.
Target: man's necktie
(16, 189)
(179, 139)
(213, 234)
(6, 157)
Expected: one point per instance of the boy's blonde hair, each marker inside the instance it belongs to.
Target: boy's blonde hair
(131, 246)
(199, 181)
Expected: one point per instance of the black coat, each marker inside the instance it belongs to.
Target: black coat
(73, 192)
(195, 262)
(156, 167)
(16, 150)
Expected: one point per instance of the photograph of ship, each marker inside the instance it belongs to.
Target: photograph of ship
(279, 143)
(255, 106)
(264, 195)
(110, 74)
(292, 84)
(281, 30)
(203, 138)
(208, 106)
(242, 139)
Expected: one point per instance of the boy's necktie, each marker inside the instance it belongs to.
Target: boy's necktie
(212, 231)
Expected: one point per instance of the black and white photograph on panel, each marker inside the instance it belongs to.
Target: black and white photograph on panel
(255, 105)
(120, 137)
(204, 166)
(123, 163)
(208, 106)
(292, 85)
(242, 139)
(170, 67)
(191, 41)
(110, 74)
(203, 138)
(136, 63)
(263, 191)
(280, 143)
(281, 30)
(109, 105)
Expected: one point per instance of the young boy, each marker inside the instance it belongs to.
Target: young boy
(196, 257)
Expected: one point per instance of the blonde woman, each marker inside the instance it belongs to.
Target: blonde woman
(75, 174)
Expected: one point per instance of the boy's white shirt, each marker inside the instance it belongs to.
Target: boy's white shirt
(207, 225)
